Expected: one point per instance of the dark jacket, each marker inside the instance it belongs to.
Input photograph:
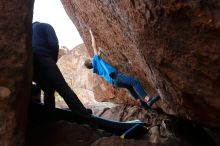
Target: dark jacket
(44, 40)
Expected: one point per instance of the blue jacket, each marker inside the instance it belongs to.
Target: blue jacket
(44, 40)
(102, 68)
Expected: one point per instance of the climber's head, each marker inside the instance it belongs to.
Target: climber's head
(88, 64)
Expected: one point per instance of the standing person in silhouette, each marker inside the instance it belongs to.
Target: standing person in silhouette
(47, 74)
(118, 79)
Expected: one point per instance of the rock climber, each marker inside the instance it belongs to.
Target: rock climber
(118, 79)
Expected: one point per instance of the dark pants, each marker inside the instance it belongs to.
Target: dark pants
(50, 79)
(132, 84)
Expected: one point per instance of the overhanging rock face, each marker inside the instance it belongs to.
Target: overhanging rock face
(172, 47)
(15, 68)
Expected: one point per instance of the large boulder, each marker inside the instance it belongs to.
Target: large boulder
(15, 77)
(63, 50)
(172, 47)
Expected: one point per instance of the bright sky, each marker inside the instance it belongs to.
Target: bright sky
(52, 12)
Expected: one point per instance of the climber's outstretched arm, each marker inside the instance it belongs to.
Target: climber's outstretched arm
(95, 49)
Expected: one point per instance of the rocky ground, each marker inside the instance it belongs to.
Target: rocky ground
(163, 130)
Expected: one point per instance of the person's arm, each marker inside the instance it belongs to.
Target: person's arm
(95, 49)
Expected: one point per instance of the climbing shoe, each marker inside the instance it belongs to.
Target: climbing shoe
(152, 100)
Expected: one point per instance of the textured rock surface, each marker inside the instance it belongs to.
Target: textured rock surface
(62, 51)
(113, 141)
(63, 134)
(166, 131)
(172, 46)
(15, 42)
(128, 113)
(87, 85)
